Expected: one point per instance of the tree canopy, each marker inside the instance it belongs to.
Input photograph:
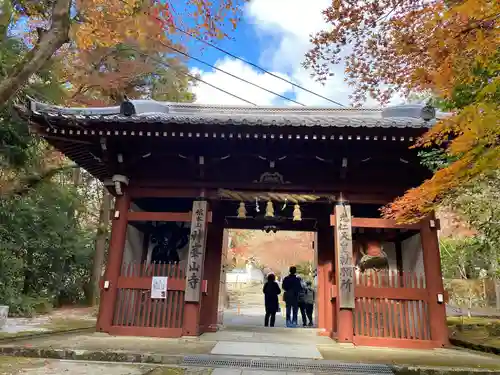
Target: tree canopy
(95, 24)
(54, 215)
(448, 49)
(104, 76)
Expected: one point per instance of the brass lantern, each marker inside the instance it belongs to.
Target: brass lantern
(242, 211)
(269, 209)
(297, 214)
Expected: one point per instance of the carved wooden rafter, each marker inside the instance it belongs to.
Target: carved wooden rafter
(265, 196)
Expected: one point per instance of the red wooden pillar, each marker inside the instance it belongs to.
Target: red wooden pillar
(345, 325)
(191, 319)
(326, 280)
(434, 281)
(114, 263)
(211, 272)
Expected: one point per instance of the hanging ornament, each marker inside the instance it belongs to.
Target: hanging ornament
(242, 211)
(297, 214)
(284, 204)
(269, 209)
(257, 205)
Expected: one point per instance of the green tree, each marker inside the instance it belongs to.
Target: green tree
(44, 248)
(306, 270)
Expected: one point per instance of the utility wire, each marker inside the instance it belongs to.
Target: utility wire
(160, 61)
(257, 67)
(251, 64)
(232, 75)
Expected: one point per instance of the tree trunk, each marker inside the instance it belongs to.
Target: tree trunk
(497, 293)
(494, 272)
(100, 246)
(48, 43)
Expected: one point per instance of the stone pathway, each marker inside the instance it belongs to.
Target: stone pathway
(249, 316)
(254, 349)
(258, 333)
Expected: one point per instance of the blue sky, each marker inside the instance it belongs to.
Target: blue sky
(273, 34)
(244, 43)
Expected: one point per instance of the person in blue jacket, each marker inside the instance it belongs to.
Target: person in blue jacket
(292, 286)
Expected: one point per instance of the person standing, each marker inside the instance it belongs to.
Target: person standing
(302, 302)
(271, 292)
(309, 298)
(292, 287)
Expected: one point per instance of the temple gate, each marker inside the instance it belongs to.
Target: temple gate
(184, 173)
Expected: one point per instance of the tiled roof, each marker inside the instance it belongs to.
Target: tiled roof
(149, 111)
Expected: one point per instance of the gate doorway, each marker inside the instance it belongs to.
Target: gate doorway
(248, 258)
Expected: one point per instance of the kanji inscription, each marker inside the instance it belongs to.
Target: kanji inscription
(345, 267)
(194, 271)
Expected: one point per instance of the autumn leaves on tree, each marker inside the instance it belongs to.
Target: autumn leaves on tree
(82, 31)
(446, 49)
(90, 53)
(94, 52)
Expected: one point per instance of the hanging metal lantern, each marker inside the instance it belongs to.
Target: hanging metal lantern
(297, 214)
(242, 211)
(269, 209)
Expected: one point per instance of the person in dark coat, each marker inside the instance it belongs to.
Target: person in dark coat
(292, 287)
(271, 292)
(302, 303)
(310, 297)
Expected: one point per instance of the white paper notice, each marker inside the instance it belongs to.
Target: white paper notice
(159, 287)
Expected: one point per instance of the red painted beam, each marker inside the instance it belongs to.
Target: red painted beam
(365, 222)
(163, 216)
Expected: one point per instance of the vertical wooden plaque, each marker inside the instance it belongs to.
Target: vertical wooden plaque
(344, 256)
(196, 256)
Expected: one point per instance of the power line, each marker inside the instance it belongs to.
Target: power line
(232, 75)
(256, 66)
(159, 61)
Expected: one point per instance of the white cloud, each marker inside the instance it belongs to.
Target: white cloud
(208, 95)
(285, 27)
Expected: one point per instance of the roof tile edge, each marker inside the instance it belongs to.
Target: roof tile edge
(153, 106)
(145, 106)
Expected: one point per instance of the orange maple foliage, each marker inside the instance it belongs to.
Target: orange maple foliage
(106, 23)
(104, 75)
(87, 25)
(406, 45)
(475, 145)
(436, 47)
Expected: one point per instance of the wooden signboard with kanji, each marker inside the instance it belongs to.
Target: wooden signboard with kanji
(344, 255)
(196, 256)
